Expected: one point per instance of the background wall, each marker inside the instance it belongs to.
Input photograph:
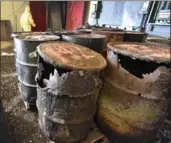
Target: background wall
(119, 13)
(12, 11)
(54, 17)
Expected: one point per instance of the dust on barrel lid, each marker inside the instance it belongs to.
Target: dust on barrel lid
(37, 37)
(158, 53)
(71, 56)
(88, 36)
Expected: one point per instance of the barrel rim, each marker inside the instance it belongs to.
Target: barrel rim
(109, 32)
(51, 37)
(71, 66)
(141, 55)
(87, 36)
(135, 32)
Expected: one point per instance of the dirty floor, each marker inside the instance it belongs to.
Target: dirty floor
(23, 125)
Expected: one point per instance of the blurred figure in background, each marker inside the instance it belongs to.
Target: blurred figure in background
(26, 19)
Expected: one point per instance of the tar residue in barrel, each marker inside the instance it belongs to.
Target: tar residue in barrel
(66, 102)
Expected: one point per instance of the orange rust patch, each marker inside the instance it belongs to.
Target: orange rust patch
(72, 56)
(145, 51)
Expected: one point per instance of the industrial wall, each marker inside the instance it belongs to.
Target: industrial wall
(12, 11)
(55, 23)
(120, 13)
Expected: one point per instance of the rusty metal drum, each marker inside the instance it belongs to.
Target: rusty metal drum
(134, 100)
(134, 36)
(67, 86)
(110, 36)
(26, 67)
(92, 41)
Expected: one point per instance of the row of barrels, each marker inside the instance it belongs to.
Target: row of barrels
(26, 43)
(132, 92)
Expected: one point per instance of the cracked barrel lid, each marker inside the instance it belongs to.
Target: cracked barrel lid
(71, 56)
(147, 51)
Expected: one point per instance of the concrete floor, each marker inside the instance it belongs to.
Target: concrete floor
(23, 125)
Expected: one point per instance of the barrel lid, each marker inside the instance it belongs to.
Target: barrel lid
(109, 32)
(89, 36)
(37, 37)
(108, 29)
(147, 51)
(15, 34)
(71, 56)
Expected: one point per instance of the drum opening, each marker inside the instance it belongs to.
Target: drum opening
(45, 69)
(138, 67)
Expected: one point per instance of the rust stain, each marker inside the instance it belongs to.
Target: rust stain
(145, 51)
(72, 56)
(129, 105)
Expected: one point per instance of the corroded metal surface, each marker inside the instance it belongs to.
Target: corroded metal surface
(134, 36)
(92, 41)
(158, 40)
(145, 51)
(68, 87)
(131, 106)
(110, 36)
(89, 36)
(72, 56)
(65, 109)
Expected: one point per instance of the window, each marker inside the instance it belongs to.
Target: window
(164, 4)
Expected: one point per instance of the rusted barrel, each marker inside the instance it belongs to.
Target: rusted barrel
(67, 87)
(92, 41)
(134, 36)
(158, 40)
(134, 100)
(110, 36)
(26, 67)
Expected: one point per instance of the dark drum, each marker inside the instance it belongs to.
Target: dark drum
(26, 67)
